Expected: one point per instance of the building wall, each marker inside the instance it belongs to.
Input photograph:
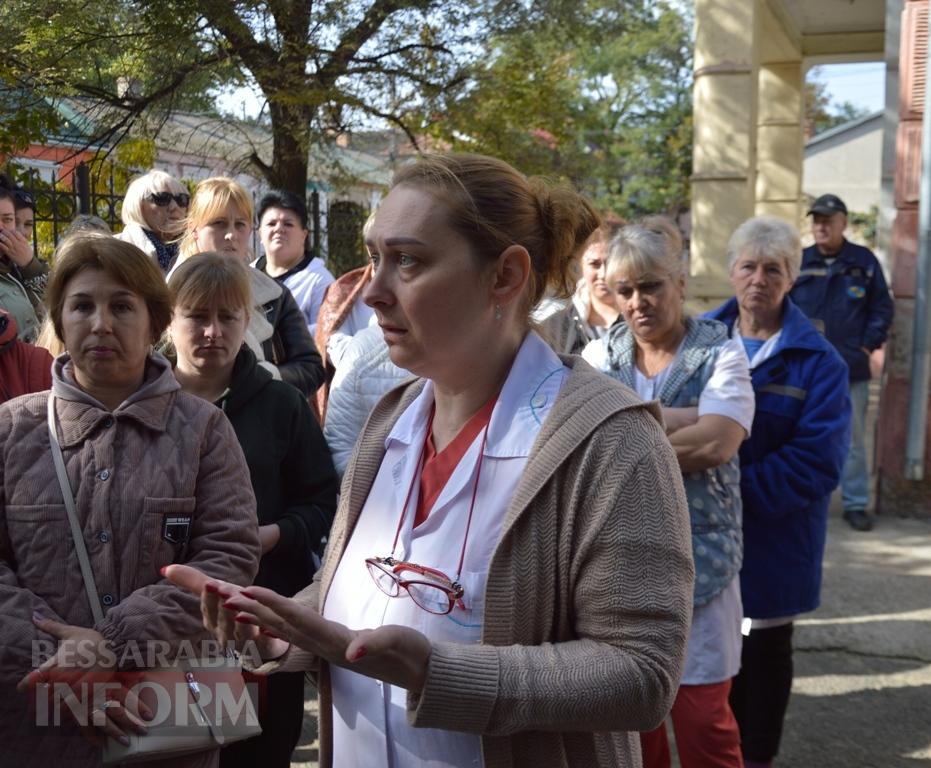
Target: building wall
(847, 164)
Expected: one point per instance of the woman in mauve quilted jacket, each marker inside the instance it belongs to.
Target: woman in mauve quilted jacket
(508, 578)
(158, 478)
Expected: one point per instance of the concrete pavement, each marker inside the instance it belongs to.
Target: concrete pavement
(862, 692)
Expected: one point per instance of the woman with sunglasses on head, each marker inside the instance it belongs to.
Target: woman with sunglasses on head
(153, 216)
(508, 579)
(221, 221)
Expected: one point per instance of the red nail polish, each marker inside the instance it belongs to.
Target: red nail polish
(163, 570)
(269, 634)
(246, 620)
(359, 653)
(212, 589)
(230, 607)
(247, 593)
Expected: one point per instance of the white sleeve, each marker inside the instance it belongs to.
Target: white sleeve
(595, 354)
(346, 410)
(361, 316)
(729, 391)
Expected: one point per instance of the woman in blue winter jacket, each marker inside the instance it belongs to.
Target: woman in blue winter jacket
(789, 466)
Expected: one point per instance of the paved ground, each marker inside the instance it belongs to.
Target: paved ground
(862, 693)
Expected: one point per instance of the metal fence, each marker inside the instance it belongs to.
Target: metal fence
(55, 208)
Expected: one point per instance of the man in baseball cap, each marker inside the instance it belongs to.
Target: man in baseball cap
(828, 205)
(842, 289)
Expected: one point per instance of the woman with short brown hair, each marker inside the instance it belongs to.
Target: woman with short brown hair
(157, 477)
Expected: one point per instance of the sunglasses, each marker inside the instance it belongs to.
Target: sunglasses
(161, 199)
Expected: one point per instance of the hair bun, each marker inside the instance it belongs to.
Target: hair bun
(568, 221)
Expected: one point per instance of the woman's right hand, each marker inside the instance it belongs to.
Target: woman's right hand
(219, 621)
(84, 676)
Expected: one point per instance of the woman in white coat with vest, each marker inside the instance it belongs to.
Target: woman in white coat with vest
(508, 580)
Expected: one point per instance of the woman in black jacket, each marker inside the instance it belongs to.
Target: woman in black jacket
(289, 462)
(220, 220)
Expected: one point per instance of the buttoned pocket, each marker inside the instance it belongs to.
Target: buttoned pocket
(464, 623)
(168, 527)
(39, 539)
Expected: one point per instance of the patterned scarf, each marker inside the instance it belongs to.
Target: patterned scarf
(166, 253)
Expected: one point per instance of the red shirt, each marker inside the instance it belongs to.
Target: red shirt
(439, 467)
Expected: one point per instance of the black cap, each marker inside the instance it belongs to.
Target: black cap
(827, 205)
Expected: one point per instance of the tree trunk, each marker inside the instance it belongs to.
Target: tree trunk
(291, 144)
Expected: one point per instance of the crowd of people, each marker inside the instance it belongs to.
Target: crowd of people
(497, 491)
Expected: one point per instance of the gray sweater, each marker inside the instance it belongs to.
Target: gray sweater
(589, 593)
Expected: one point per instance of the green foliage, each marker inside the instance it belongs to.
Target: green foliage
(864, 226)
(118, 59)
(594, 91)
(821, 113)
(324, 68)
(598, 93)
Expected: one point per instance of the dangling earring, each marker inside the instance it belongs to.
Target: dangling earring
(497, 312)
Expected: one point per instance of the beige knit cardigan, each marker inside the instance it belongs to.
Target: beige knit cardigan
(589, 592)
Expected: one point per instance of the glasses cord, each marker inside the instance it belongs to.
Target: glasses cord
(417, 470)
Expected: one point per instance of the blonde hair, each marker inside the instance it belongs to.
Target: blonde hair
(493, 206)
(652, 245)
(48, 338)
(140, 188)
(210, 279)
(210, 200)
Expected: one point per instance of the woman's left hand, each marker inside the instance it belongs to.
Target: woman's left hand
(394, 654)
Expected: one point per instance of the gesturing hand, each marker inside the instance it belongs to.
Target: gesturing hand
(84, 664)
(220, 622)
(397, 655)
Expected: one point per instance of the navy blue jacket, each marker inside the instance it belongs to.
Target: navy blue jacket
(789, 465)
(849, 301)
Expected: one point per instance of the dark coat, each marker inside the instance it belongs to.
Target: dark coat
(289, 462)
(789, 465)
(848, 301)
(291, 347)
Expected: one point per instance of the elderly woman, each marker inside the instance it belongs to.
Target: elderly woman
(508, 581)
(702, 380)
(157, 477)
(789, 466)
(153, 214)
(221, 221)
(289, 462)
(593, 308)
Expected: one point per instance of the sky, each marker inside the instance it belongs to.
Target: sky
(861, 84)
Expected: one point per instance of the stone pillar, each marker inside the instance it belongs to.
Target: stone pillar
(724, 145)
(779, 140)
